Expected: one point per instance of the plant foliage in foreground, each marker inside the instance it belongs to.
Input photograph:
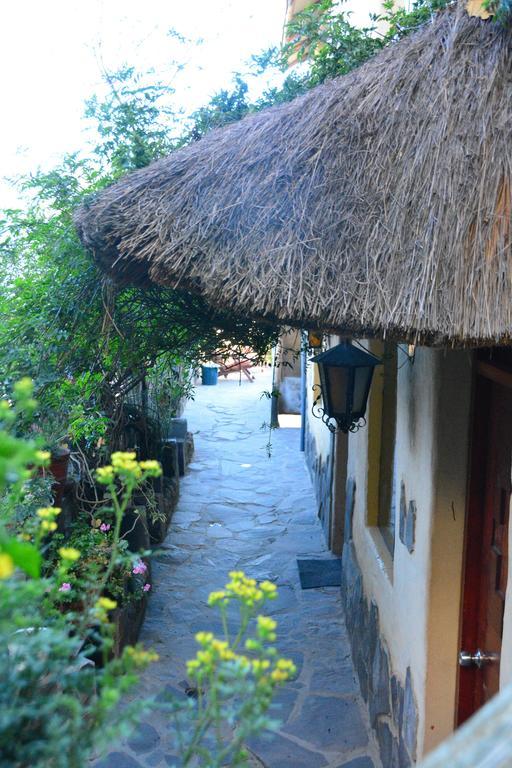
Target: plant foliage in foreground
(57, 707)
(235, 678)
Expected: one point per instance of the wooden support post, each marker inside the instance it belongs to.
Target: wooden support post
(339, 484)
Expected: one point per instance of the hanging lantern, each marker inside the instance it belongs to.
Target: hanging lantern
(345, 378)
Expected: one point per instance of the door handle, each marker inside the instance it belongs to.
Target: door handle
(477, 659)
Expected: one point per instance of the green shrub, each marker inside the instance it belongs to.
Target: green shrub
(55, 705)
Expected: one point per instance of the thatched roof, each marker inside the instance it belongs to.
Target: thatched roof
(378, 203)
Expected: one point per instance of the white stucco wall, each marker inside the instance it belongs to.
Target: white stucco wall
(418, 594)
(287, 378)
(316, 428)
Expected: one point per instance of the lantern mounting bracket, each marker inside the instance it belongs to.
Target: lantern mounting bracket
(332, 423)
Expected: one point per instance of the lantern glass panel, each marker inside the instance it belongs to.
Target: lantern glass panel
(362, 380)
(337, 386)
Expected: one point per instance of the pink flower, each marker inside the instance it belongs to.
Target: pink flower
(65, 587)
(104, 527)
(140, 567)
(146, 587)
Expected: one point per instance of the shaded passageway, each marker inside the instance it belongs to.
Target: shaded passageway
(240, 509)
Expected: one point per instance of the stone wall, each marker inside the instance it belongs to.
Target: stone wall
(391, 703)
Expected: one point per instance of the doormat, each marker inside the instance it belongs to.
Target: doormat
(320, 573)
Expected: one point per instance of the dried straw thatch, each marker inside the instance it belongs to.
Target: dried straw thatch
(378, 203)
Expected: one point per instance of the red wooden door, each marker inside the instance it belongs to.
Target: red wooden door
(486, 547)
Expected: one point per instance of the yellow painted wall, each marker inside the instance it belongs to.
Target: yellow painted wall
(418, 594)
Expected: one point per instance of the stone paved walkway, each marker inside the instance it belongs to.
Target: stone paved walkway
(241, 510)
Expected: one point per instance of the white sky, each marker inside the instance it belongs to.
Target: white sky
(49, 62)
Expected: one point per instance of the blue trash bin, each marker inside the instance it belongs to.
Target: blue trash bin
(209, 375)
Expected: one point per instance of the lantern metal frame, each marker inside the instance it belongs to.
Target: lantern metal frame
(347, 356)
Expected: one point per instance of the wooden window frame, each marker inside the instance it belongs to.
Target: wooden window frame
(381, 500)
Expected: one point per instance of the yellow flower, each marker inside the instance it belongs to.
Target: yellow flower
(243, 588)
(6, 565)
(248, 590)
(268, 589)
(69, 553)
(105, 475)
(124, 463)
(216, 598)
(48, 513)
(140, 656)
(260, 665)
(48, 525)
(106, 604)
(43, 457)
(121, 457)
(279, 676)
(24, 387)
(222, 649)
(286, 664)
(151, 466)
(205, 658)
(204, 638)
(266, 624)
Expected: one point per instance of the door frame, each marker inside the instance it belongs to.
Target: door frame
(486, 373)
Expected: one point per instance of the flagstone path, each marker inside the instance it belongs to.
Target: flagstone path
(240, 509)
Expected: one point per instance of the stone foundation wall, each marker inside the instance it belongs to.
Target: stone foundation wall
(391, 703)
